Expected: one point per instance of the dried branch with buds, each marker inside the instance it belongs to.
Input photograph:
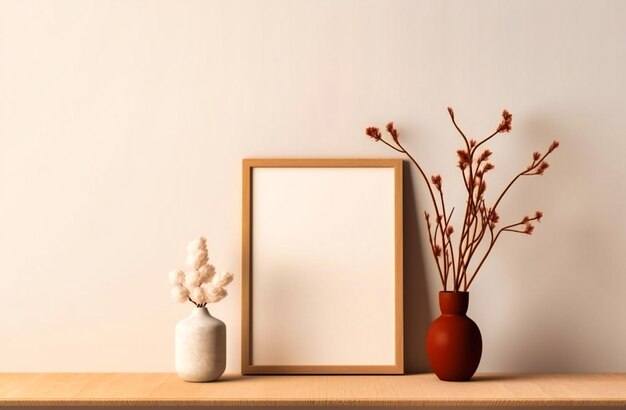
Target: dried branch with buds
(480, 221)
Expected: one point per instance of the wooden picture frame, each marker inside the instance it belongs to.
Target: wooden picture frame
(322, 266)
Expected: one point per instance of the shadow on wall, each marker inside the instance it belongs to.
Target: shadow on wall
(417, 314)
(552, 331)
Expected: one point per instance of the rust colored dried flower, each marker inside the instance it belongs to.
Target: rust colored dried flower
(374, 133)
(536, 155)
(391, 130)
(472, 143)
(464, 155)
(488, 167)
(484, 156)
(542, 167)
(437, 251)
(555, 144)
(449, 230)
(436, 180)
(525, 220)
(464, 158)
(451, 112)
(505, 124)
(493, 216)
(538, 216)
(529, 229)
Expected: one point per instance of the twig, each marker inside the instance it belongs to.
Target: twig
(478, 218)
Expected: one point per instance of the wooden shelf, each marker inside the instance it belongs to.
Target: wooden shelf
(166, 389)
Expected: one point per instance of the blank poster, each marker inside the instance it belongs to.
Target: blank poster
(323, 256)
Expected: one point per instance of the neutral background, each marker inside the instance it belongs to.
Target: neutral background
(123, 125)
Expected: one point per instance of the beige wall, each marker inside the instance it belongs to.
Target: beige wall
(123, 125)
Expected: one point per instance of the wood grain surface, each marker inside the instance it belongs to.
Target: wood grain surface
(166, 389)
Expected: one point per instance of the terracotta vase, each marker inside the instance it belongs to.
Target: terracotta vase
(453, 343)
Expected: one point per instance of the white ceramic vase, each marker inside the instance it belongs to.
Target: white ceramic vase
(200, 347)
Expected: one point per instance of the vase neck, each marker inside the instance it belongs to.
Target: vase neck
(453, 303)
(200, 312)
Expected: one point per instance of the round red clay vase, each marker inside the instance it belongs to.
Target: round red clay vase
(453, 343)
